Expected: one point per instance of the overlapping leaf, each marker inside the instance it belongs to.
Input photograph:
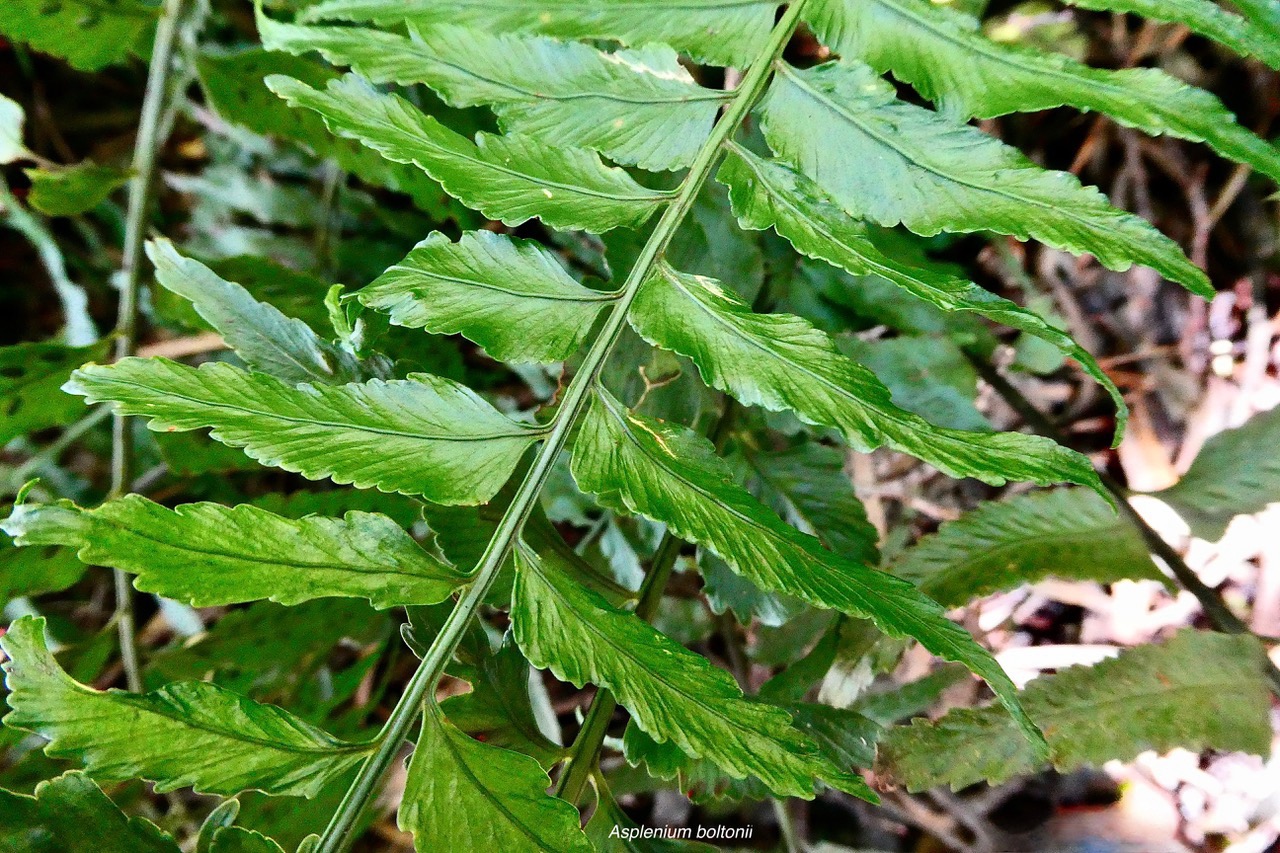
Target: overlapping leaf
(510, 296)
(943, 53)
(1263, 14)
(1250, 35)
(421, 436)
(898, 163)
(33, 571)
(499, 710)
(639, 107)
(1233, 474)
(188, 734)
(673, 694)
(845, 737)
(511, 178)
(462, 794)
(1022, 540)
(266, 339)
(266, 651)
(1197, 691)
(207, 554)
(781, 362)
(74, 189)
(770, 194)
(89, 34)
(811, 481)
(233, 86)
(70, 814)
(233, 839)
(925, 374)
(724, 32)
(634, 464)
(31, 377)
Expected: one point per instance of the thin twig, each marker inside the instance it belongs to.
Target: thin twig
(145, 151)
(1215, 609)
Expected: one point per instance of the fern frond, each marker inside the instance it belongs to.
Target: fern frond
(945, 56)
(896, 163)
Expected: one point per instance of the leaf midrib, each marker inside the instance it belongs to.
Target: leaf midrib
(903, 615)
(800, 367)
(982, 45)
(479, 786)
(1043, 538)
(590, 295)
(523, 433)
(969, 184)
(118, 698)
(818, 225)
(532, 96)
(464, 153)
(273, 561)
(698, 700)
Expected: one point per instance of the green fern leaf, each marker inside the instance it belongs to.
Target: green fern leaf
(896, 163)
(510, 178)
(70, 814)
(637, 465)
(1263, 14)
(421, 436)
(1233, 474)
(945, 56)
(1003, 545)
(769, 194)
(31, 377)
(781, 362)
(672, 694)
(89, 34)
(72, 190)
(266, 339)
(845, 737)
(808, 486)
(233, 86)
(233, 839)
(242, 553)
(1250, 35)
(31, 571)
(510, 296)
(188, 734)
(461, 794)
(1200, 690)
(637, 107)
(722, 32)
(498, 710)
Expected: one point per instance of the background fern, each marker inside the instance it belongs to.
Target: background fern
(606, 342)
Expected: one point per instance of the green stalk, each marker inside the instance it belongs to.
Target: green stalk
(145, 150)
(576, 397)
(584, 754)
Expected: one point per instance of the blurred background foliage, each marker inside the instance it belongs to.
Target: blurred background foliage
(268, 198)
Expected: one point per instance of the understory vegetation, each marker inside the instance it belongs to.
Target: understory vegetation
(571, 425)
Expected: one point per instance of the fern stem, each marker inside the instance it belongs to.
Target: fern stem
(145, 151)
(1215, 609)
(576, 397)
(584, 755)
